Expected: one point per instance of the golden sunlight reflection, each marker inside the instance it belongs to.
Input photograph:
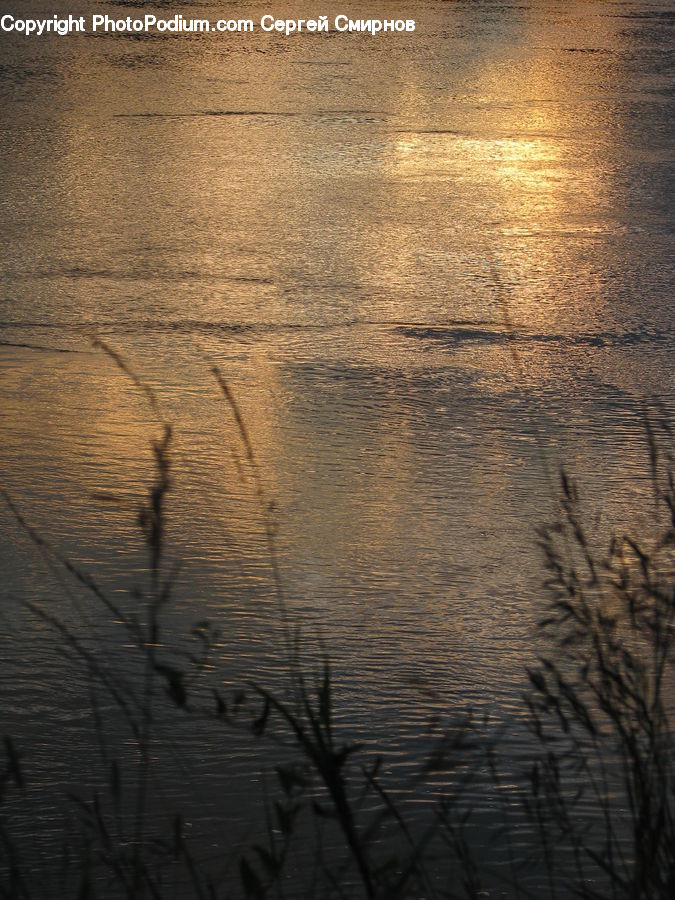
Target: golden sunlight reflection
(433, 268)
(521, 169)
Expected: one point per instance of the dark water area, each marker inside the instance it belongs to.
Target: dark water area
(434, 268)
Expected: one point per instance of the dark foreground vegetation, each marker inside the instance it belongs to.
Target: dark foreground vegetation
(591, 815)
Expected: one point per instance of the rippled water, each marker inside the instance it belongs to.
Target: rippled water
(433, 267)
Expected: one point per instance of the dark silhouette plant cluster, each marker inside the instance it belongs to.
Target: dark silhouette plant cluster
(599, 790)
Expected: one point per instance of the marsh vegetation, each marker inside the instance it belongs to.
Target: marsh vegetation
(588, 813)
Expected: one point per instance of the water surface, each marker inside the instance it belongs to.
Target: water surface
(433, 267)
